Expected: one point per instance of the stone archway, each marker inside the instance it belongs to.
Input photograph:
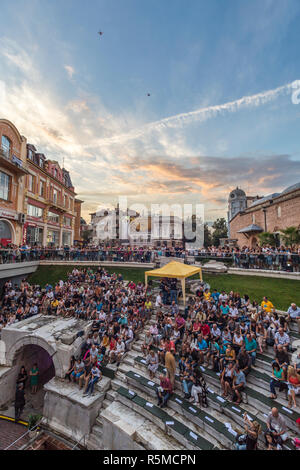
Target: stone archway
(7, 230)
(34, 341)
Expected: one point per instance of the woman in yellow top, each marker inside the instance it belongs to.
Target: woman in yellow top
(229, 356)
(207, 294)
(267, 306)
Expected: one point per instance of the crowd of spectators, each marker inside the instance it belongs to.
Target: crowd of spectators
(281, 258)
(217, 330)
(224, 332)
(117, 312)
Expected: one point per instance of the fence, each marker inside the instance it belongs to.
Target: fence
(283, 261)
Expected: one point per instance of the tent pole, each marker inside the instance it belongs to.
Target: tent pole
(183, 289)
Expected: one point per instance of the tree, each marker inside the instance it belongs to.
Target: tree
(290, 236)
(87, 235)
(207, 236)
(267, 238)
(220, 231)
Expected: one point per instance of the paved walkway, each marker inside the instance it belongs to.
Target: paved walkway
(9, 432)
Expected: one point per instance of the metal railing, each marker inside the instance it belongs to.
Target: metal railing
(281, 261)
(23, 435)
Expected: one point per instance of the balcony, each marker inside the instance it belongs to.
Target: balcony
(12, 163)
(56, 205)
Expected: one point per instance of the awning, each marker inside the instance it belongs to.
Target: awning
(251, 228)
(177, 270)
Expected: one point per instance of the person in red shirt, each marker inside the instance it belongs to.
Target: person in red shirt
(112, 347)
(164, 391)
(180, 322)
(169, 345)
(196, 326)
(205, 330)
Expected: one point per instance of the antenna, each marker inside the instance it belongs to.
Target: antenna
(63, 162)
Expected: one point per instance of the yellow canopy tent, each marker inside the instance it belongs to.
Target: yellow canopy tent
(176, 270)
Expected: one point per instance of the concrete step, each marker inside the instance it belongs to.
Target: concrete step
(99, 421)
(110, 395)
(97, 430)
(94, 442)
(157, 422)
(106, 403)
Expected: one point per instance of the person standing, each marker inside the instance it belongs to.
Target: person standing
(164, 391)
(19, 401)
(170, 364)
(34, 373)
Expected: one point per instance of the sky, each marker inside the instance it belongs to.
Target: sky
(224, 104)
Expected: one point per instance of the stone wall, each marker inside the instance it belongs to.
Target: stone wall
(282, 213)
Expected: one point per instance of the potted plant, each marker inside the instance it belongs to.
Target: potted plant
(32, 422)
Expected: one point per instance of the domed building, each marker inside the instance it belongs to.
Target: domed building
(249, 216)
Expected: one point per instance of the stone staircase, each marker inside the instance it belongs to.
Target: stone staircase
(131, 398)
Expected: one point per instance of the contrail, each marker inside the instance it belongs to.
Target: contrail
(202, 114)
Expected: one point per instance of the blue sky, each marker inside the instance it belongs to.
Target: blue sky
(83, 98)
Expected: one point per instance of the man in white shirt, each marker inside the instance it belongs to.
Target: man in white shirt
(158, 302)
(294, 314)
(215, 331)
(129, 337)
(281, 338)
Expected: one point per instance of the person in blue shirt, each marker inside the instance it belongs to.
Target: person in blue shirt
(239, 382)
(215, 295)
(123, 320)
(202, 348)
(251, 347)
(225, 309)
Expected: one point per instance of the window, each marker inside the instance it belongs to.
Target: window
(42, 189)
(66, 201)
(5, 144)
(31, 180)
(253, 218)
(55, 196)
(67, 221)
(52, 217)
(34, 211)
(30, 154)
(4, 186)
(278, 211)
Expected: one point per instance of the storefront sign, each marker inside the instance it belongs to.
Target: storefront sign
(8, 215)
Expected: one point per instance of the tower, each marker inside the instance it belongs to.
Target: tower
(237, 202)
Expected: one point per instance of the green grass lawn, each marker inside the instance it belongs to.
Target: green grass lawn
(280, 291)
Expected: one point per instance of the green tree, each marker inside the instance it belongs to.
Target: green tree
(290, 236)
(219, 231)
(267, 238)
(87, 235)
(207, 236)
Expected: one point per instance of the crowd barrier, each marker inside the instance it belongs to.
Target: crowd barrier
(283, 261)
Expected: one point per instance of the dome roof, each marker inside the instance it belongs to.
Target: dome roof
(291, 188)
(237, 193)
(264, 199)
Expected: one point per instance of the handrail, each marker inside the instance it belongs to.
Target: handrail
(78, 442)
(23, 435)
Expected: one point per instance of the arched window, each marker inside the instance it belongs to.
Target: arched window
(278, 211)
(5, 144)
